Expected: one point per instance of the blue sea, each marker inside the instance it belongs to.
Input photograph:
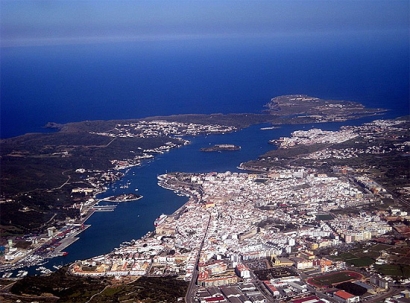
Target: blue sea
(139, 79)
(69, 83)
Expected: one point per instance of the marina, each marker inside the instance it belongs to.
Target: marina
(22, 273)
(7, 275)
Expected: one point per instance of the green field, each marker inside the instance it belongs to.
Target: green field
(347, 256)
(362, 256)
(380, 247)
(361, 262)
(395, 270)
(334, 278)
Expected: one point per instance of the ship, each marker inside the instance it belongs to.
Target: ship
(160, 219)
(221, 147)
(270, 127)
(104, 207)
(123, 198)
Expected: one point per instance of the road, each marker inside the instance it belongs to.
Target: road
(262, 288)
(192, 287)
(380, 298)
(92, 297)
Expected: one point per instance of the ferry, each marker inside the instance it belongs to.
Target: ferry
(270, 127)
(104, 207)
(160, 219)
(123, 198)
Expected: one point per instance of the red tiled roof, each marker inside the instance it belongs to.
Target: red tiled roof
(305, 299)
(203, 275)
(344, 294)
(214, 299)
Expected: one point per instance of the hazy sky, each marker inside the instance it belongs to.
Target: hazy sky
(55, 22)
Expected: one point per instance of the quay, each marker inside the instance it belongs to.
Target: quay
(69, 240)
(104, 207)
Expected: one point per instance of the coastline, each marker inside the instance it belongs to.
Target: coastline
(90, 209)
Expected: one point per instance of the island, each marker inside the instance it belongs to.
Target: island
(221, 147)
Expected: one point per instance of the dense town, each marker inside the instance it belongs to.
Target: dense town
(369, 131)
(237, 227)
(163, 128)
(52, 243)
(236, 220)
(159, 128)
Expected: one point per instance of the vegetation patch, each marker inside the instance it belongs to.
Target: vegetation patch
(275, 272)
(361, 262)
(362, 255)
(394, 270)
(332, 279)
(62, 287)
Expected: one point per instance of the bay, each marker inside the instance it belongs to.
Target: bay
(134, 80)
(132, 220)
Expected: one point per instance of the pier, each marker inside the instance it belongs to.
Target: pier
(104, 207)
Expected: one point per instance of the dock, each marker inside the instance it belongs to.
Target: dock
(104, 207)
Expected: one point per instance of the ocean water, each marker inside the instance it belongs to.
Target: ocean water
(134, 80)
(137, 79)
